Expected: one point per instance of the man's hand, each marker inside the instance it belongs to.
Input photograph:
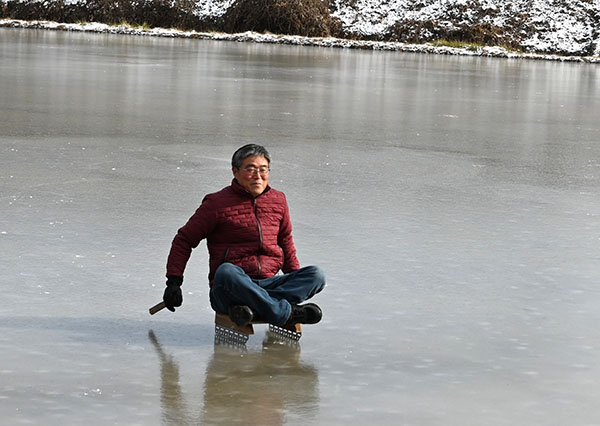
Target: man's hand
(173, 296)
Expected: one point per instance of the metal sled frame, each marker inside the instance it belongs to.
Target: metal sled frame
(228, 331)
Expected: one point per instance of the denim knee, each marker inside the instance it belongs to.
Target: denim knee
(318, 276)
(224, 271)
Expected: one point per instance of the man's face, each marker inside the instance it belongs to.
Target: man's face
(249, 177)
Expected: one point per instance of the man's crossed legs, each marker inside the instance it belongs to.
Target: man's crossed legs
(274, 300)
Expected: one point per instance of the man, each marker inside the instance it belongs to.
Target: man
(249, 237)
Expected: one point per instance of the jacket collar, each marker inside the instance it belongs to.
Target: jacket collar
(235, 185)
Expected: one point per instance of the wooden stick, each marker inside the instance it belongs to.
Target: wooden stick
(158, 307)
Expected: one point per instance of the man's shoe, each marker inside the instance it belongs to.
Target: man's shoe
(241, 315)
(305, 314)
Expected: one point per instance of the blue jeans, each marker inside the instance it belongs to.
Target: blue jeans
(270, 298)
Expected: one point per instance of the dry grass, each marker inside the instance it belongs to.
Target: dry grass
(137, 13)
(294, 17)
(466, 36)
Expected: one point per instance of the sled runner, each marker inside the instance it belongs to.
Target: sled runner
(226, 329)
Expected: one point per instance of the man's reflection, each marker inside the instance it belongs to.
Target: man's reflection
(265, 387)
(171, 396)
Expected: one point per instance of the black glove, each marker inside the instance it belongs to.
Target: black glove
(173, 296)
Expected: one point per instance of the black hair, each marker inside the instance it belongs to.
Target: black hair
(248, 151)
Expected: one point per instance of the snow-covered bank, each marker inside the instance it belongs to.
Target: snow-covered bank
(491, 51)
(556, 26)
(560, 27)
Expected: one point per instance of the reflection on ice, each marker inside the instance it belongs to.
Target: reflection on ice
(269, 386)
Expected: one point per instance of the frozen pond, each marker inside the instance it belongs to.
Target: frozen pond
(454, 203)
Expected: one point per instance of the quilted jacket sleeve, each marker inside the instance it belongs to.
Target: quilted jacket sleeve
(286, 242)
(197, 228)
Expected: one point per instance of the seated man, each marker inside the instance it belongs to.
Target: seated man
(249, 237)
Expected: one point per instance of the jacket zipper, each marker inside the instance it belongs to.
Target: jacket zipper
(225, 256)
(260, 236)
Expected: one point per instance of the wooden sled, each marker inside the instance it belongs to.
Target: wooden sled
(228, 331)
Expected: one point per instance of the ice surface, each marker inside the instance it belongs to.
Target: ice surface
(452, 201)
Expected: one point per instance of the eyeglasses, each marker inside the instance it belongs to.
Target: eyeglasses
(263, 171)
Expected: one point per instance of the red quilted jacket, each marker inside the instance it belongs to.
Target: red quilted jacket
(253, 233)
